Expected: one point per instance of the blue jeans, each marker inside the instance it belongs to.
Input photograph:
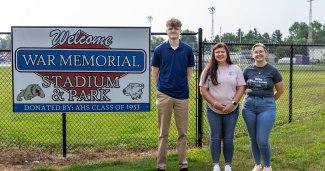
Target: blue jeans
(259, 114)
(222, 128)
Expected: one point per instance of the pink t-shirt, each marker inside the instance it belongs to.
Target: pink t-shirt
(229, 77)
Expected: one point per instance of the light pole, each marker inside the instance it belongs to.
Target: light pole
(149, 18)
(310, 29)
(212, 11)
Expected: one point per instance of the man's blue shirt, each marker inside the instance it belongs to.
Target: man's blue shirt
(173, 64)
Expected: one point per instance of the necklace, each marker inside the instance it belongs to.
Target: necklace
(259, 68)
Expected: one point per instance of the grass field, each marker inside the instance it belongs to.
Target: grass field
(134, 130)
(299, 146)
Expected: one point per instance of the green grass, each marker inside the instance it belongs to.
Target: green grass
(134, 130)
(302, 67)
(97, 130)
(299, 146)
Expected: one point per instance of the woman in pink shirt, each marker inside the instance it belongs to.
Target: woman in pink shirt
(222, 85)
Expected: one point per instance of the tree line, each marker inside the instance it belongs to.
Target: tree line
(298, 34)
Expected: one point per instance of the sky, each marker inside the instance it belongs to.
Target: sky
(230, 15)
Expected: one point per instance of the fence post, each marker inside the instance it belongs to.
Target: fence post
(290, 83)
(64, 134)
(199, 100)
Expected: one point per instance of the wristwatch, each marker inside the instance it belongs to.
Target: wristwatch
(234, 103)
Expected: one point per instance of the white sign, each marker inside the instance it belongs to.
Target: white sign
(81, 69)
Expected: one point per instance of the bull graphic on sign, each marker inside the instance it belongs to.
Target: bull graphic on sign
(134, 90)
(30, 92)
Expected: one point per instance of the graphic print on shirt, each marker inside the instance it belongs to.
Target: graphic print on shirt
(231, 73)
(258, 82)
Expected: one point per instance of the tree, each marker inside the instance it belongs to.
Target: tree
(239, 35)
(318, 32)
(5, 43)
(1, 43)
(266, 38)
(253, 36)
(228, 37)
(155, 41)
(189, 39)
(276, 36)
(249, 37)
(258, 37)
(298, 33)
(216, 38)
(282, 51)
(320, 36)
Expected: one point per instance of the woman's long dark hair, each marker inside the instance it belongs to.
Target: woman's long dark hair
(212, 66)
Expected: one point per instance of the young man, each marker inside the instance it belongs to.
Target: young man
(172, 63)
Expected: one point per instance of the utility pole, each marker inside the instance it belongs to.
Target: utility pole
(149, 18)
(310, 29)
(212, 11)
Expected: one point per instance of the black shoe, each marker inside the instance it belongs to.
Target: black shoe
(160, 169)
(183, 169)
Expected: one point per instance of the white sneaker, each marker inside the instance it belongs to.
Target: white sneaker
(216, 167)
(227, 168)
(267, 168)
(257, 168)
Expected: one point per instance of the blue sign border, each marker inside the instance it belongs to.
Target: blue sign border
(82, 107)
(80, 60)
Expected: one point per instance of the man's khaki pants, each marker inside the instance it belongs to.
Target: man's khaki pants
(165, 105)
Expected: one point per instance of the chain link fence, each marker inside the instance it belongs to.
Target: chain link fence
(304, 95)
(304, 79)
(94, 131)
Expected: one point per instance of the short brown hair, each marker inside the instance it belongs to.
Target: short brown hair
(259, 44)
(173, 22)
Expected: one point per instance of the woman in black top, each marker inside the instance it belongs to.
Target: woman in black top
(259, 108)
